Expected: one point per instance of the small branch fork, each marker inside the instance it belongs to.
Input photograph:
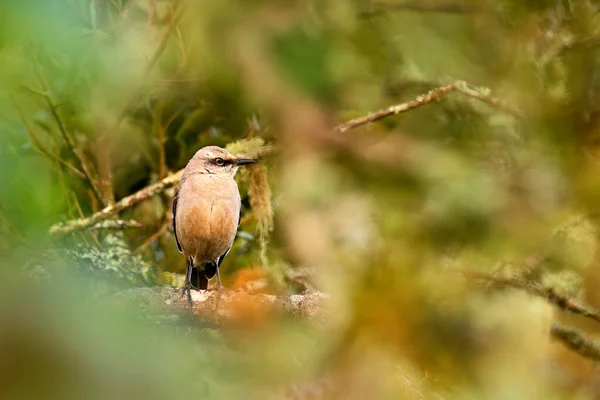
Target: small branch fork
(172, 180)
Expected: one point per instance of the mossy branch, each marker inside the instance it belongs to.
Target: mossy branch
(113, 209)
(233, 306)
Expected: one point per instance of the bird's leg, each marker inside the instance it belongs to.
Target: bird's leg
(219, 286)
(219, 279)
(188, 282)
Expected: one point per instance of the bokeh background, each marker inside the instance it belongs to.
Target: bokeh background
(412, 224)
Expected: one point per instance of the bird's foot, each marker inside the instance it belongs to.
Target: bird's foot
(219, 289)
(187, 289)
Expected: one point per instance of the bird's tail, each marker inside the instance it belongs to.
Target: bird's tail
(210, 269)
(199, 279)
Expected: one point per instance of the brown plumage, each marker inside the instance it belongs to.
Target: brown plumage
(206, 213)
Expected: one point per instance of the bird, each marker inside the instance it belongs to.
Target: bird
(206, 214)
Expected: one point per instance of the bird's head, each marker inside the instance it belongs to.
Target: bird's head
(216, 160)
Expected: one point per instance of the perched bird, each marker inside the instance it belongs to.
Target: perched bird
(206, 213)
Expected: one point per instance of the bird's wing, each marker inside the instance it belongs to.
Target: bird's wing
(222, 257)
(174, 218)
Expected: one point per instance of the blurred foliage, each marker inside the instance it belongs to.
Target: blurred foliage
(100, 98)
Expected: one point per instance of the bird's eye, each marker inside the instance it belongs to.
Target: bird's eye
(219, 161)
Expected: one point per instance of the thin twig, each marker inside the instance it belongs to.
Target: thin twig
(184, 52)
(565, 303)
(466, 89)
(11, 228)
(66, 136)
(161, 129)
(82, 234)
(74, 203)
(426, 98)
(576, 341)
(163, 228)
(431, 96)
(157, 116)
(420, 6)
(37, 92)
(104, 163)
(178, 14)
(37, 143)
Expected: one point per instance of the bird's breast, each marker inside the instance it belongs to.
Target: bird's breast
(207, 219)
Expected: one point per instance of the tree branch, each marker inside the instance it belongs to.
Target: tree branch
(123, 204)
(380, 7)
(426, 98)
(161, 230)
(115, 225)
(576, 341)
(233, 306)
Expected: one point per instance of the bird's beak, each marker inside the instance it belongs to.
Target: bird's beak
(244, 161)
